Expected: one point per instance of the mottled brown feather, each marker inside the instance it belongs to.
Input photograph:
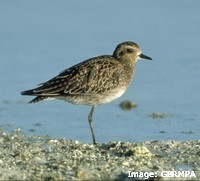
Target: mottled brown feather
(94, 76)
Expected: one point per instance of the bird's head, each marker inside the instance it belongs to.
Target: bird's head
(129, 51)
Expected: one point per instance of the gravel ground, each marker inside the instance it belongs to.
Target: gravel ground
(44, 158)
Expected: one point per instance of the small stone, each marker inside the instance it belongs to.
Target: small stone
(76, 142)
(162, 131)
(32, 130)
(81, 174)
(125, 163)
(139, 152)
(127, 105)
(37, 124)
(155, 115)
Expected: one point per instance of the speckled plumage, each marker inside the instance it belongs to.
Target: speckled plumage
(85, 83)
(95, 81)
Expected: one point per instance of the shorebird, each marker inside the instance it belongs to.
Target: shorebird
(96, 81)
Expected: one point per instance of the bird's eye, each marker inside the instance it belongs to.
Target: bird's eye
(121, 53)
(129, 50)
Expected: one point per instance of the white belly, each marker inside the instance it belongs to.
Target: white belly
(94, 99)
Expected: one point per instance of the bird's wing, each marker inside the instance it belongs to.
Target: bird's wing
(94, 76)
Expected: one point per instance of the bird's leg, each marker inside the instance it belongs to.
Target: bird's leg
(91, 126)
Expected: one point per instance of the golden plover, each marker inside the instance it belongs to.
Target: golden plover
(92, 82)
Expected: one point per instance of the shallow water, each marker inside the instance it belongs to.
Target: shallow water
(38, 39)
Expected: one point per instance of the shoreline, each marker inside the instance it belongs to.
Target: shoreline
(44, 158)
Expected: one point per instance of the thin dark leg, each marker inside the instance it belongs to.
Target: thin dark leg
(91, 126)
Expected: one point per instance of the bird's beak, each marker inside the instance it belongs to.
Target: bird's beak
(145, 57)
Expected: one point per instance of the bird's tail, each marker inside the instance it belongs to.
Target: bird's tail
(28, 92)
(36, 99)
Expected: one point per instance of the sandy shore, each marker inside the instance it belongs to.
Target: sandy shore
(43, 158)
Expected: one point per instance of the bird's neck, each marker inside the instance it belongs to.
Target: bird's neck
(129, 69)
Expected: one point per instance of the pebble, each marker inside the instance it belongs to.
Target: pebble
(45, 158)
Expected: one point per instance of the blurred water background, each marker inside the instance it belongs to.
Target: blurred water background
(38, 39)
